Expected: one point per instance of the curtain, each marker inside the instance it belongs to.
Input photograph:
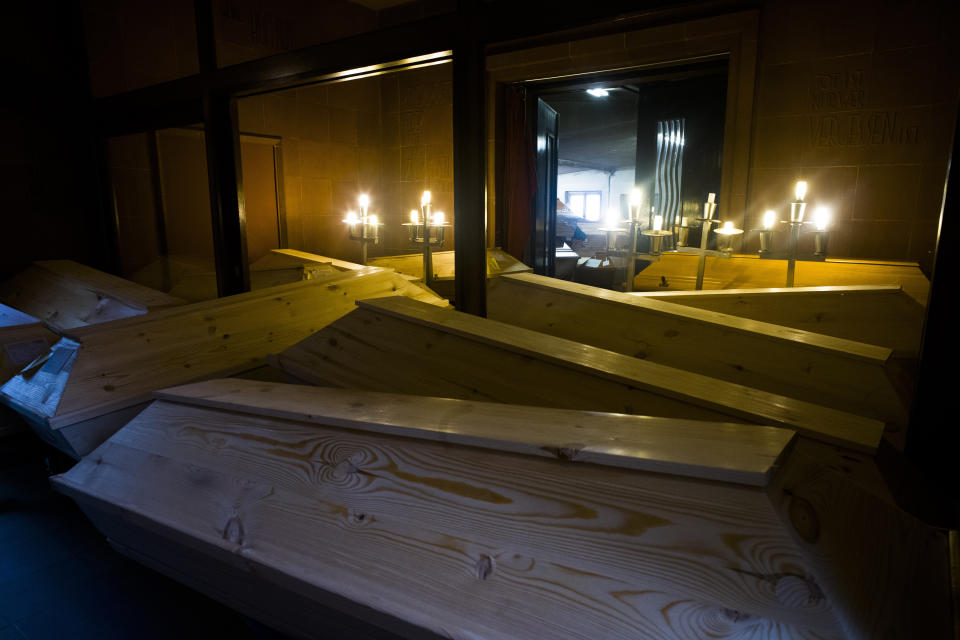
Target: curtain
(519, 175)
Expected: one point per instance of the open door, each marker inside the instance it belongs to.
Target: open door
(545, 208)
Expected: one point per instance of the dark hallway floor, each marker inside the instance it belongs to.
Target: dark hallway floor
(60, 579)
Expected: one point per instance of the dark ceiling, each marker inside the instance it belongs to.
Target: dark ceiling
(596, 133)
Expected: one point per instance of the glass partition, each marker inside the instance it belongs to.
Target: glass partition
(162, 209)
(387, 138)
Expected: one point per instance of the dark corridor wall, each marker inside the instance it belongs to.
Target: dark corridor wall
(48, 179)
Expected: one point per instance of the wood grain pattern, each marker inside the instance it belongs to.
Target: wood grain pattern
(679, 272)
(466, 542)
(404, 346)
(66, 294)
(736, 453)
(886, 572)
(876, 314)
(833, 372)
(118, 364)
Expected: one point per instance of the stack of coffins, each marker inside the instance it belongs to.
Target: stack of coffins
(876, 314)
(834, 372)
(52, 296)
(66, 294)
(279, 266)
(401, 345)
(499, 262)
(678, 271)
(436, 517)
(98, 377)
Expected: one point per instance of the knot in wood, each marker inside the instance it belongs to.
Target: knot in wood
(233, 531)
(798, 591)
(732, 615)
(484, 567)
(804, 519)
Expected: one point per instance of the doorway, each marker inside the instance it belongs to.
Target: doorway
(660, 131)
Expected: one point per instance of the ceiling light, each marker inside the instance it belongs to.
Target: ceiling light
(598, 93)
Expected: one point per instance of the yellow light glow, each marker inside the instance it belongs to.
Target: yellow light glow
(363, 201)
(821, 217)
(727, 227)
(711, 197)
(636, 197)
(657, 223)
(801, 190)
(414, 216)
(425, 199)
(439, 217)
(351, 218)
(373, 220)
(769, 218)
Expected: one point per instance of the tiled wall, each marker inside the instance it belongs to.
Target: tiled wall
(858, 98)
(388, 136)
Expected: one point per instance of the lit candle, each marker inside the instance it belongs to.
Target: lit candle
(728, 227)
(769, 218)
(352, 217)
(711, 197)
(414, 216)
(438, 217)
(425, 199)
(657, 223)
(821, 217)
(373, 220)
(363, 201)
(801, 190)
(636, 199)
(613, 218)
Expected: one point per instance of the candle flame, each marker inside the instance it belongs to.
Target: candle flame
(439, 217)
(821, 217)
(769, 218)
(372, 220)
(363, 201)
(657, 223)
(727, 226)
(414, 216)
(425, 198)
(351, 217)
(801, 191)
(636, 197)
(613, 218)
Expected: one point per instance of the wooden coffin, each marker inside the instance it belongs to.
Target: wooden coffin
(834, 372)
(402, 345)
(22, 339)
(98, 377)
(280, 266)
(876, 314)
(499, 262)
(678, 271)
(66, 294)
(433, 517)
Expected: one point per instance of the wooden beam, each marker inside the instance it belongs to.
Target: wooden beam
(469, 162)
(876, 314)
(409, 347)
(453, 539)
(833, 372)
(227, 209)
(89, 382)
